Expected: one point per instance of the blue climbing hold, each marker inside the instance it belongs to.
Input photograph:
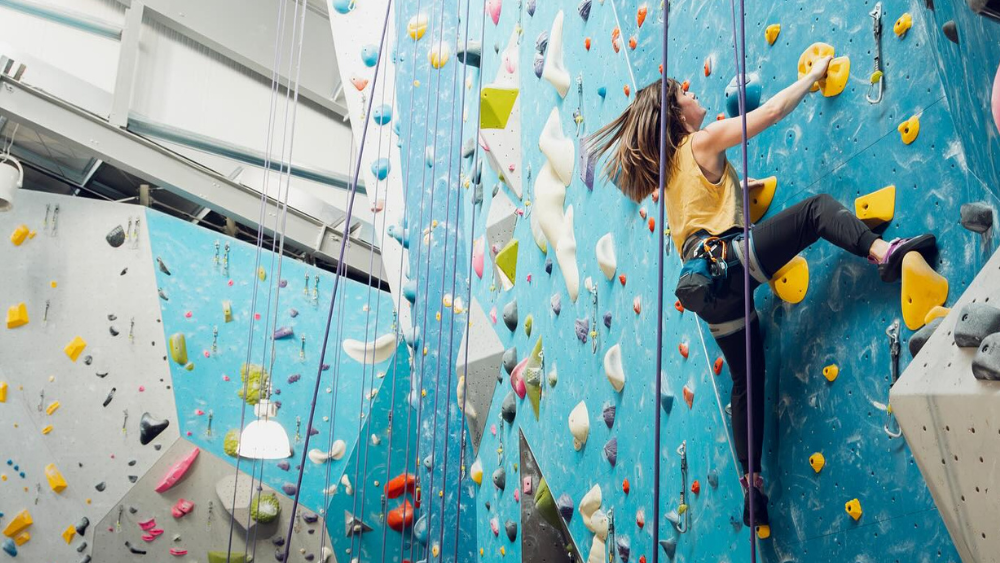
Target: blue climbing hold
(395, 127)
(382, 114)
(369, 55)
(401, 234)
(380, 168)
(343, 6)
(9, 547)
(410, 291)
(420, 530)
(733, 96)
(666, 398)
(602, 91)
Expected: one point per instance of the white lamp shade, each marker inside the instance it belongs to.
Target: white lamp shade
(11, 178)
(264, 438)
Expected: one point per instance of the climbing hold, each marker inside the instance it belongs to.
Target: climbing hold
(666, 399)
(923, 288)
(532, 379)
(506, 261)
(920, 337)
(3, 391)
(763, 531)
(493, 8)
(21, 521)
(470, 55)
(528, 322)
(401, 517)
(224, 557)
(950, 31)
(812, 54)
(372, 352)
(936, 313)
(508, 409)
(56, 481)
(640, 14)
(231, 444)
(602, 92)
(495, 105)
(909, 129)
(876, 77)
(978, 216)
(753, 92)
(689, 396)
(678, 306)
(359, 83)
(369, 55)
(510, 315)
(877, 207)
(548, 218)
(566, 256)
(975, 323)
(495, 526)
(683, 349)
(68, 534)
(902, 25)
(554, 70)
(853, 507)
(582, 328)
(708, 66)
(817, 461)
(831, 372)
(986, 363)
(178, 348)
(589, 504)
(761, 197)
(9, 547)
(177, 471)
(500, 478)
(380, 168)
(637, 304)
(510, 359)
(150, 428)
(476, 471)
(633, 42)
(606, 258)
(75, 348)
(771, 33)
(556, 302)
(439, 54)
(265, 508)
(669, 546)
(836, 78)
(564, 504)
(227, 311)
(417, 26)
(717, 366)
(611, 451)
(791, 282)
(478, 256)
(20, 233)
(17, 315)
(627, 90)
(557, 148)
(713, 478)
(696, 487)
(181, 508)
(579, 425)
(613, 368)
(616, 35)
(382, 115)
(609, 415)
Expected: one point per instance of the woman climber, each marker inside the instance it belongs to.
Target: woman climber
(704, 207)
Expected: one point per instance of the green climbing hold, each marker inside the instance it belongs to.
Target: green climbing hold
(495, 105)
(231, 443)
(254, 379)
(506, 261)
(546, 505)
(528, 321)
(265, 508)
(533, 376)
(178, 348)
(223, 557)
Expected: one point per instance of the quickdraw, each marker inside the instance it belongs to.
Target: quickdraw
(891, 426)
(877, 80)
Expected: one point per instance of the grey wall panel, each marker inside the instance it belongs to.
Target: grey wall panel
(87, 443)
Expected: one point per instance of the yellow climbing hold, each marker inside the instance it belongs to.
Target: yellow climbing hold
(771, 33)
(417, 26)
(227, 311)
(876, 77)
(836, 77)
(923, 289)
(47, 429)
(817, 461)
(53, 407)
(495, 105)
(763, 531)
(909, 129)
(761, 197)
(831, 372)
(19, 234)
(75, 348)
(435, 550)
(18, 524)
(178, 348)
(506, 261)
(17, 315)
(3, 391)
(791, 282)
(935, 313)
(812, 54)
(853, 507)
(22, 538)
(56, 481)
(68, 534)
(439, 55)
(902, 25)
(877, 207)
(503, 551)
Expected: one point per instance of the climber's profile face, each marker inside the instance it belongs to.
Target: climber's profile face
(691, 110)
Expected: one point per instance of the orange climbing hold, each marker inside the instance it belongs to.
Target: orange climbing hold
(401, 517)
(640, 518)
(637, 304)
(696, 487)
(689, 397)
(678, 306)
(632, 42)
(708, 66)
(586, 43)
(640, 14)
(628, 91)
(622, 279)
(615, 36)
(720, 117)
(403, 483)
(683, 347)
(719, 362)
(652, 224)
(685, 85)
(661, 69)
(625, 486)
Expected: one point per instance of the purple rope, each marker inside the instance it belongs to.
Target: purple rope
(353, 190)
(741, 71)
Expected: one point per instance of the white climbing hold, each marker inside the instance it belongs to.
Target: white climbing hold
(599, 524)
(337, 450)
(318, 456)
(557, 148)
(566, 256)
(547, 208)
(346, 482)
(463, 403)
(537, 233)
(325, 553)
(555, 67)
(589, 505)
(579, 425)
(372, 352)
(476, 471)
(597, 550)
(613, 367)
(606, 258)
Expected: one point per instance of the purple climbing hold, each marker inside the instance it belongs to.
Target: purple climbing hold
(278, 541)
(279, 555)
(313, 431)
(289, 489)
(293, 312)
(582, 328)
(624, 548)
(548, 265)
(587, 164)
(283, 332)
(542, 42)
(284, 465)
(283, 283)
(611, 451)
(584, 9)
(556, 302)
(539, 64)
(325, 367)
(310, 517)
(609, 415)
(294, 377)
(565, 505)
(607, 319)
(531, 7)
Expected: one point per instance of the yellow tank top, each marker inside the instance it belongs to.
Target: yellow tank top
(694, 203)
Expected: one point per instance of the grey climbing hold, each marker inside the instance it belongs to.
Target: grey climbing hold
(921, 337)
(713, 478)
(611, 451)
(470, 55)
(609, 415)
(162, 294)
(986, 364)
(289, 489)
(420, 530)
(134, 550)
(477, 194)
(163, 267)
(548, 265)
(150, 428)
(669, 547)
(113, 330)
(565, 505)
(354, 526)
(469, 149)
(607, 319)
(624, 548)
(508, 410)
(278, 540)
(587, 164)
(673, 517)
(477, 171)
(975, 322)
(116, 237)
(510, 315)
(584, 9)
(976, 216)
(556, 302)
(81, 525)
(510, 359)
(531, 7)
(293, 312)
(500, 478)
(511, 528)
(539, 64)
(429, 461)
(542, 42)
(950, 31)
(82, 547)
(101, 486)
(582, 327)
(133, 478)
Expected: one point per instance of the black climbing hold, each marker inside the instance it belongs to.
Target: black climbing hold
(310, 517)
(279, 555)
(508, 410)
(111, 395)
(669, 547)
(977, 216)
(150, 428)
(986, 364)
(609, 415)
(624, 549)
(607, 319)
(82, 547)
(131, 463)
(477, 194)
(950, 31)
(101, 486)
(511, 528)
(975, 322)
(471, 55)
(112, 317)
(88, 360)
(116, 237)
(86, 558)
(163, 294)
(113, 330)
(510, 359)
(539, 64)
(125, 271)
(101, 375)
(477, 172)
(500, 478)
(921, 337)
(81, 525)
(565, 505)
(133, 478)
(487, 505)
(548, 265)
(469, 149)
(135, 550)
(510, 315)
(584, 9)
(309, 556)
(611, 451)
(163, 267)
(133, 510)
(542, 42)
(278, 541)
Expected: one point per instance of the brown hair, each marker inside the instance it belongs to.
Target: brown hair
(633, 141)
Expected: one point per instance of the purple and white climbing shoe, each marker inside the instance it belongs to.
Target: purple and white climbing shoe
(759, 502)
(890, 267)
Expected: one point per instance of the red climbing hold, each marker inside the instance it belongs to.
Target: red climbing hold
(642, 212)
(640, 519)
(628, 91)
(696, 487)
(586, 43)
(622, 279)
(678, 306)
(689, 396)
(640, 15)
(401, 517)
(637, 304)
(708, 66)
(683, 347)
(402, 483)
(661, 68)
(718, 365)
(528, 278)
(625, 486)
(720, 117)
(615, 36)
(642, 559)
(652, 224)
(632, 42)
(685, 85)
(656, 196)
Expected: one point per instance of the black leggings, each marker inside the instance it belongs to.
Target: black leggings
(774, 242)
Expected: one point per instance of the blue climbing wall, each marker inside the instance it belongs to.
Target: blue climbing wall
(843, 146)
(192, 298)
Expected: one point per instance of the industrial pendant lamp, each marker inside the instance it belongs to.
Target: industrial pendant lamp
(264, 438)
(11, 178)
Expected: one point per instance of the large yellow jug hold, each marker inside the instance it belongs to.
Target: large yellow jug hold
(909, 129)
(17, 315)
(178, 348)
(853, 507)
(902, 25)
(936, 313)
(923, 289)
(817, 462)
(771, 33)
(75, 348)
(837, 75)
(812, 54)
(831, 372)
(18, 524)
(761, 197)
(55, 478)
(791, 282)
(417, 26)
(877, 207)
(19, 234)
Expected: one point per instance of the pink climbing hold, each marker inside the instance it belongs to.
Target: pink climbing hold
(156, 532)
(527, 485)
(478, 258)
(199, 412)
(493, 315)
(517, 380)
(493, 429)
(517, 495)
(256, 316)
(225, 378)
(493, 9)
(147, 524)
(188, 315)
(528, 278)
(142, 388)
(996, 99)
(181, 508)
(230, 283)
(359, 83)
(177, 552)
(148, 537)
(508, 64)
(177, 471)
(206, 353)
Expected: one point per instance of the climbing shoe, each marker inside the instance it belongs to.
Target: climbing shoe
(759, 502)
(890, 267)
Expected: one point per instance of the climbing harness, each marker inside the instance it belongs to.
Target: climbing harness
(877, 80)
(891, 426)
(703, 275)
